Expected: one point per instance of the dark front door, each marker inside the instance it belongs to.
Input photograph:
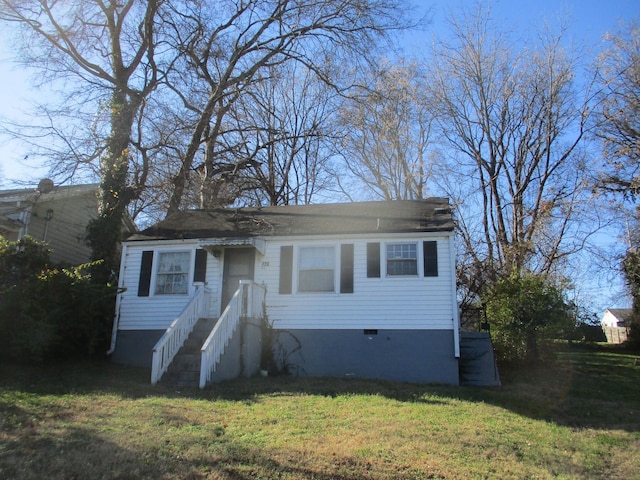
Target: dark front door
(238, 265)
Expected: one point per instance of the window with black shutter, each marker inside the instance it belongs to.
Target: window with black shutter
(144, 282)
(286, 269)
(430, 257)
(373, 260)
(200, 270)
(346, 268)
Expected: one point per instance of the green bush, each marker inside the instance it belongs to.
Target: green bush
(526, 312)
(48, 311)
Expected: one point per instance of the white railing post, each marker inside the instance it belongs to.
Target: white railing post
(241, 304)
(246, 286)
(166, 348)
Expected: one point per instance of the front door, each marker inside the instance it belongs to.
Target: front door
(238, 265)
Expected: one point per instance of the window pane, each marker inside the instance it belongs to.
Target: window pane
(316, 269)
(173, 273)
(402, 259)
(316, 281)
(316, 257)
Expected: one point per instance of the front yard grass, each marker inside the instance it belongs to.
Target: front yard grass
(578, 418)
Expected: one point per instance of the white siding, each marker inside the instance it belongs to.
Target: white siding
(66, 231)
(156, 312)
(377, 303)
(415, 302)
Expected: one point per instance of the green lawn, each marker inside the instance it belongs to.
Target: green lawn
(576, 419)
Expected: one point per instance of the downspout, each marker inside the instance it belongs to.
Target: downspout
(116, 318)
(454, 296)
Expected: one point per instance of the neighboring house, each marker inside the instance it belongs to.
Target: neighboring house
(615, 324)
(57, 215)
(355, 290)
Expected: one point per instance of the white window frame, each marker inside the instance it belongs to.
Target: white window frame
(156, 272)
(298, 264)
(386, 259)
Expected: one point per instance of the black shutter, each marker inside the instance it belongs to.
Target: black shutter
(200, 270)
(373, 260)
(286, 269)
(430, 253)
(144, 282)
(346, 268)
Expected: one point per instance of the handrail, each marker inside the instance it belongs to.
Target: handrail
(166, 348)
(248, 301)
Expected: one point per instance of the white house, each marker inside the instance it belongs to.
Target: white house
(356, 289)
(615, 324)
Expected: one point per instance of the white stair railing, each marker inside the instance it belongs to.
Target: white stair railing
(248, 301)
(166, 348)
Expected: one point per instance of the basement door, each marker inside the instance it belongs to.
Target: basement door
(238, 265)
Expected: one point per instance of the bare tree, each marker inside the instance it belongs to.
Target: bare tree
(387, 133)
(228, 49)
(618, 129)
(618, 125)
(514, 126)
(284, 124)
(107, 49)
(127, 67)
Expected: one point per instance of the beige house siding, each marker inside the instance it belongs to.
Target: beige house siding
(59, 216)
(65, 232)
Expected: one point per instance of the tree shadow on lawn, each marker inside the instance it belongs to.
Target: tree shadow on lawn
(36, 448)
(584, 387)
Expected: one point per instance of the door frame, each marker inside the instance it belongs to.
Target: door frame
(246, 255)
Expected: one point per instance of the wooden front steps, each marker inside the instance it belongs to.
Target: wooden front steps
(184, 371)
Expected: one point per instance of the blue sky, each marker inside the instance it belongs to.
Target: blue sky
(589, 21)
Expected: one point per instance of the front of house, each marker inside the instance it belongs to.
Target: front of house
(363, 290)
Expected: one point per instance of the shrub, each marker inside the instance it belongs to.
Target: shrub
(48, 311)
(526, 311)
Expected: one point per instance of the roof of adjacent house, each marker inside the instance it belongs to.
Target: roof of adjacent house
(33, 194)
(14, 202)
(429, 215)
(623, 315)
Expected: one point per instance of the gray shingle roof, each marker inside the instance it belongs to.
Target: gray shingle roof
(430, 215)
(623, 315)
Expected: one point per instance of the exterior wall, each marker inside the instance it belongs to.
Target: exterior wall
(609, 319)
(71, 208)
(424, 356)
(414, 302)
(242, 354)
(415, 316)
(135, 347)
(156, 312)
(66, 231)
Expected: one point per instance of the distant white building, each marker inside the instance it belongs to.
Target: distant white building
(615, 324)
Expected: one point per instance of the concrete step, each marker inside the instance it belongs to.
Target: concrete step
(184, 370)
